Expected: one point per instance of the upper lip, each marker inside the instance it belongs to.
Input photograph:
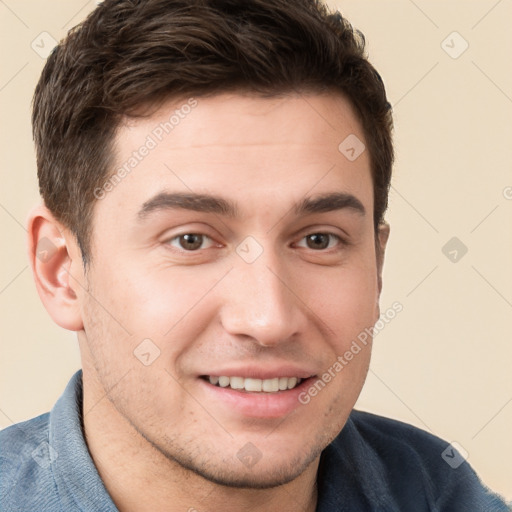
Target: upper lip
(253, 372)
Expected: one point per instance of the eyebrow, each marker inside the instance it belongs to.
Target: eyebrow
(330, 202)
(188, 201)
(218, 205)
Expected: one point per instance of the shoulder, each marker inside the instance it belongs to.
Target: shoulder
(25, 458)
(400, 446)
(417, 466)
(382, 433)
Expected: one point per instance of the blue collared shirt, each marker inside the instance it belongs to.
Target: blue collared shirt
(375, 464)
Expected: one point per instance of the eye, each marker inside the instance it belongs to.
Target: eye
(191, 242)
(320, 241)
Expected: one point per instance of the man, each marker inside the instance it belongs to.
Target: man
(215, 178)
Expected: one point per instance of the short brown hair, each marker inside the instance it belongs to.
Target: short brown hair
(131, 53)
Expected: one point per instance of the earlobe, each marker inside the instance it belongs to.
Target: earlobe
(51, 253)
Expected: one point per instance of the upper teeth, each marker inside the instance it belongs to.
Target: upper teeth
(267, 385)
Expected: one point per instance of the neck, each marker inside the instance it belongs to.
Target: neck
(140, 478)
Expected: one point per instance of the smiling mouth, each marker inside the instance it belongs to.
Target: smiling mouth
(254, 385)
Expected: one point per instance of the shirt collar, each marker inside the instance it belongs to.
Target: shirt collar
(77, 480)
(351, 475)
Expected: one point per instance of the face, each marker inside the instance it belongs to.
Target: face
(239, 248)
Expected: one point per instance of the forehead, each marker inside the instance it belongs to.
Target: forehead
(244, 119)
(245, 146)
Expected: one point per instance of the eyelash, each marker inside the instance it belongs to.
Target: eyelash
(340, 241)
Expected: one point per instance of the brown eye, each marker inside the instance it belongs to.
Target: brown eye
(191, 242)
(319, 241)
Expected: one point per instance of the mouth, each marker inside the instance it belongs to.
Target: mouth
(257, 393)
(250, 385)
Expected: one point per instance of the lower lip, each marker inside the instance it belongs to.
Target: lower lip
(258, 405)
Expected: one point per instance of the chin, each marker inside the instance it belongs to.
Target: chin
(263, 471)
(264, 477)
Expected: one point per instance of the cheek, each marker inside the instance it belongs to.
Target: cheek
(169, 304)
(130, 357)
(346, 300)
(141, 298)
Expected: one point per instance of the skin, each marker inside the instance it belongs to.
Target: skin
(159, 438)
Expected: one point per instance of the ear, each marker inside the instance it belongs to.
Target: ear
(381, 242)
(54, 255)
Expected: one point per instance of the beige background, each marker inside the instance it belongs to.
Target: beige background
(442, 364)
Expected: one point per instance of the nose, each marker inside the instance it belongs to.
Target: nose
(259, 303)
